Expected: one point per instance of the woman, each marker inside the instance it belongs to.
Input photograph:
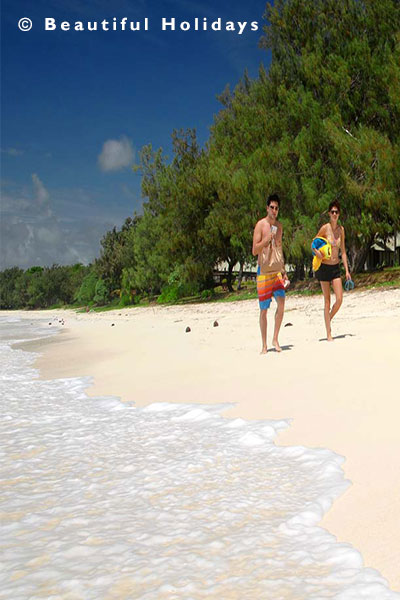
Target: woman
(329, 271)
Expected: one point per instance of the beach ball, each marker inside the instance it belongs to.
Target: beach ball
(321, 244)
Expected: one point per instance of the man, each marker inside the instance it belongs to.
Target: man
(271, 275)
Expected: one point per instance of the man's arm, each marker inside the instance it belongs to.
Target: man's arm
(261, 237)
(278, 239)
(278, 235)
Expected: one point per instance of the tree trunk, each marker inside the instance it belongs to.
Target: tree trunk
(229, 276)
(299, 271)
(240, 276)
(358, 256)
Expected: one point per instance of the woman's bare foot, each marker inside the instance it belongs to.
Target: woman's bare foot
(264, 350)
(276, 345)
(329, 337)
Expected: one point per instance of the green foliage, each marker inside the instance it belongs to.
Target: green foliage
(207, 294)
(177, 287)
(128, 293)
(335, 89)
(179, 196)
(151, 267)
(173, 292)
(9, 288)
(87, 290)
(40, 287)
(117, 252)
(169, 295)
(100, 293)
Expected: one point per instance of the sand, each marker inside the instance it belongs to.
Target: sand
(342, 395)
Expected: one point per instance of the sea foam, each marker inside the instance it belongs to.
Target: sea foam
(105, 500)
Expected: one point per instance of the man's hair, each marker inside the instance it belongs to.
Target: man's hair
(334, 203)
(273, 198)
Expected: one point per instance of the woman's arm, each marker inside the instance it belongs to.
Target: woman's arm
(344, 255)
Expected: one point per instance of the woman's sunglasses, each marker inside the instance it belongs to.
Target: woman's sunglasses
(334, 212)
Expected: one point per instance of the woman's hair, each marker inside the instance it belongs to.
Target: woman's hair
(334, 203)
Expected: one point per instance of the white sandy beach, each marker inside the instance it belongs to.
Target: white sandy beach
(342, 395)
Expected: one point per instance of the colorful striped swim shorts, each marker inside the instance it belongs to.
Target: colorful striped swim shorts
(269, 285)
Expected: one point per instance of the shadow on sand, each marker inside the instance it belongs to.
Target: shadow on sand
(338, 337)
(284, 348)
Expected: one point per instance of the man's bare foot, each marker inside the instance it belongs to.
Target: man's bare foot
(276, 345)
(264, 350)
(329, 338)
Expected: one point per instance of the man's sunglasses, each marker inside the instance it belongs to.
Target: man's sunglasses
(334, 212)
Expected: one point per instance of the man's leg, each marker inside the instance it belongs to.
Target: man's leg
(338, 291)
(280, 301)
(263, 328)
(326, 290)
(264, 291)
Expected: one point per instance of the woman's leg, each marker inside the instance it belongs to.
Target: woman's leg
(326, 290)
(338, 291)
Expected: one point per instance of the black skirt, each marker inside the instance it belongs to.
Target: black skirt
(328, 272)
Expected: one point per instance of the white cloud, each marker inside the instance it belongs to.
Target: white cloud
(47, 235)
(116, 154)
(31, 233)
(41, 227)
(42, 196)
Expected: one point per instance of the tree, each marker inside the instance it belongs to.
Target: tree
(178, 197)
(336, 75)
(86, 292)
(100, 293)
(116, 253)
(9, 279)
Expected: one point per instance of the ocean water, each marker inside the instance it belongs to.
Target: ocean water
(103, 500)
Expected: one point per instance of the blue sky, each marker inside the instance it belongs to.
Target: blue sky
(77, 106)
